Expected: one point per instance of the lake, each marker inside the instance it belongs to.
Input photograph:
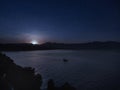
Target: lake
(85, 69)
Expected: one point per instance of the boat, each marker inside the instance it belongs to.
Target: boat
(65, 60)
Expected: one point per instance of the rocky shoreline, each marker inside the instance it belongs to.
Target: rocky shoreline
(15, 77)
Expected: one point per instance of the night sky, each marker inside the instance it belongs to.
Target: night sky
(69, 21)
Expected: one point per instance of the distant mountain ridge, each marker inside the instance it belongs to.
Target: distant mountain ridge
(108, 45)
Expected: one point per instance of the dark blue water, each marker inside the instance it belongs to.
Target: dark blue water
(85, 70)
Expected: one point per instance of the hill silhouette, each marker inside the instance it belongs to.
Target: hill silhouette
(109, 45)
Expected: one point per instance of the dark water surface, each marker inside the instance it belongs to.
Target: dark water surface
(86, 70)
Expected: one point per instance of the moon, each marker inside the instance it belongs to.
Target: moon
(34, 42)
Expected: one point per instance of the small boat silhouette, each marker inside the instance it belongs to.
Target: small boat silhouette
(65, 60)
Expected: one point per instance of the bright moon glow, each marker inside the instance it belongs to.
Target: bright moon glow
(34, 42)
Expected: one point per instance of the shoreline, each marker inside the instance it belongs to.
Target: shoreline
(15, 77)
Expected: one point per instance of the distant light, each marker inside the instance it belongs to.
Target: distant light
(34, 42)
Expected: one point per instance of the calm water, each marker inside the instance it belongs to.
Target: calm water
(86, 70)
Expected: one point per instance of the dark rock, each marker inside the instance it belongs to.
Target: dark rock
(51, 85)
(16, 77)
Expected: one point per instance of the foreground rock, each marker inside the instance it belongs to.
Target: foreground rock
(66, 86)
(14, 77)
